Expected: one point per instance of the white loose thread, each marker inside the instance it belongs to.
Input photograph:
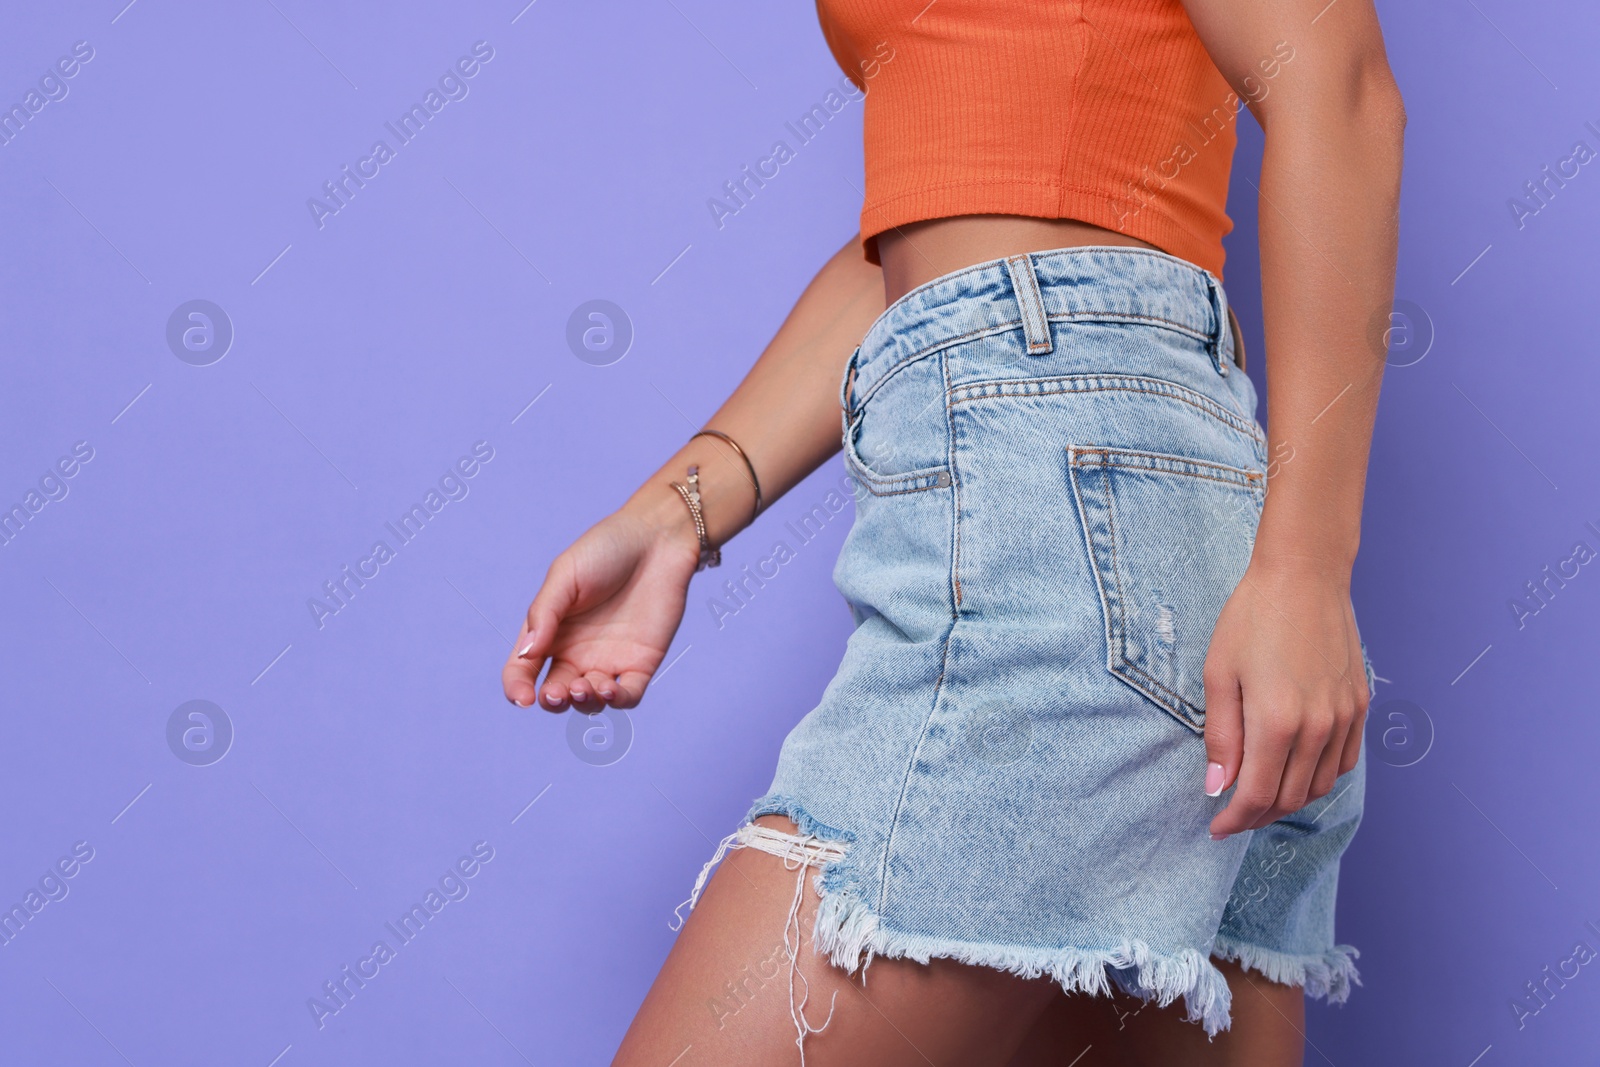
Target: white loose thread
(797, 1010)
(797, 853)
(700, 882)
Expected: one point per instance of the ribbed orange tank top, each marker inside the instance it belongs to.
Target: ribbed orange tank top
(1106, 111)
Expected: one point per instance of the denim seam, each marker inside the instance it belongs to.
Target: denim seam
(930, 350)
(955, 496)
(1191, 716)
(1003, 388)
(911, 766)
(1181, 474)
(1017, 324)
(934, 484)
(944, 660)
(1116, 571)
(1093, 557)
(896, 484)
(1127, 316)
(1241, 478)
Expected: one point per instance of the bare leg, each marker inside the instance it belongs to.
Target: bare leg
(1121, 1031)
(722, 997)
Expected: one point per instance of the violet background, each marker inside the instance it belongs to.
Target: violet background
(426, 315)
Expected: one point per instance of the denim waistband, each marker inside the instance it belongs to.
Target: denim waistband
(1106, 283)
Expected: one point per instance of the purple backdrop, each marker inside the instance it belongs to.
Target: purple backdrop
(218, 396)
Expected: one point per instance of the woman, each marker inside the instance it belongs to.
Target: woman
(1099, 727)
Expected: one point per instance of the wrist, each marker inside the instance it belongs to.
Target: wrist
(1307, 540)
(659, 508)
(1301, 566)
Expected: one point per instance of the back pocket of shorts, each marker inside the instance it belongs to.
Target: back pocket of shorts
(1168, 540)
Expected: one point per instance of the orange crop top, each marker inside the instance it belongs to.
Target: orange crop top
(1106, 111)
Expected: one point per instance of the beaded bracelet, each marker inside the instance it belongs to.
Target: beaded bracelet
(709, 557)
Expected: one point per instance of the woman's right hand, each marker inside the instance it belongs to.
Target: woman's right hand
(606, 613)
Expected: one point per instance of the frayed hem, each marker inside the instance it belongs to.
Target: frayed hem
(1329, 975)
(850, 935)
(791, 808)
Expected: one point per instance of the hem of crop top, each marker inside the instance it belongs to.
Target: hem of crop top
(1035, 199)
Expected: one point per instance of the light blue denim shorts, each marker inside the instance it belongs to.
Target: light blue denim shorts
(1060, 474)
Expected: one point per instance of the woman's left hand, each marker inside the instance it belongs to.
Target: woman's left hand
(1286, 692)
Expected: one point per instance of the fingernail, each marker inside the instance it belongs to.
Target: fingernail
(579, 698)
(1214, 774)
(607, 694)
(549, 698)
(522, 653)
(1218, 837)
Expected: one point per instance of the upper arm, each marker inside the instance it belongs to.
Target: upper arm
(1297, 55)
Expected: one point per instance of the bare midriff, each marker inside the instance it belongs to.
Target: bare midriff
(919, 252)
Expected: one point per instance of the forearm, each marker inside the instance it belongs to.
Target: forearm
(784, 414)
(1330, 183)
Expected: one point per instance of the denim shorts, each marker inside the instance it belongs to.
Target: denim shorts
(1059, 476)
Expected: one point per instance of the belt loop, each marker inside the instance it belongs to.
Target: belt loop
(1025, 284)
(1221, 328)
(847, 384)
(1238, 338)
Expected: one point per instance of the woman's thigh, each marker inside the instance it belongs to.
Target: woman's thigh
(1121, 1031)
(723, 995)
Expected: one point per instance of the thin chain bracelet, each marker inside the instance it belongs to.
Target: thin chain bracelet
(709, 557)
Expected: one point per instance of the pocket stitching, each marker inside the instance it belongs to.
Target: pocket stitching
(1117, 662)
(1190, 716)
(1134, 384)
(892, 484)
(1240, 476)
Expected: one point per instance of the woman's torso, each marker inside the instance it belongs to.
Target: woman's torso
(919, 252)
(1000, 126)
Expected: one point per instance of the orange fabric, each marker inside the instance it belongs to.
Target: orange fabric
(1106, 111)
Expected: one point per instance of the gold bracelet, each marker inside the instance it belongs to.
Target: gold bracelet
(709, 557)
(750, 466)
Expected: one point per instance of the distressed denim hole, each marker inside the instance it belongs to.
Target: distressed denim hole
(799, 852)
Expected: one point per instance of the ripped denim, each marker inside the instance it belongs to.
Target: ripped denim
(1059, 475)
